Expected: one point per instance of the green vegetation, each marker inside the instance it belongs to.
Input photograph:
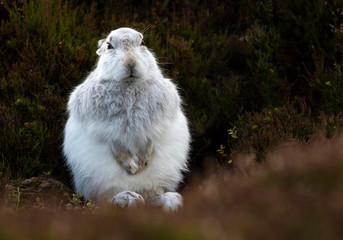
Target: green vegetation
(256, 77)
(233, 61)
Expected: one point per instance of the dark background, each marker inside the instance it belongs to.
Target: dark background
(267, 71)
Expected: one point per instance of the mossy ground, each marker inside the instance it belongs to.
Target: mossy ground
(255, 76)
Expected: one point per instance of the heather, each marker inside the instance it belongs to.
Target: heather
(255, 77)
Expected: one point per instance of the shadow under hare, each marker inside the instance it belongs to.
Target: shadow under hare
(127, 139)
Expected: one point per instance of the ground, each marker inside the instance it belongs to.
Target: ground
(296, 193)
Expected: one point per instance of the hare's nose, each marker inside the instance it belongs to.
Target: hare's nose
(130, 60)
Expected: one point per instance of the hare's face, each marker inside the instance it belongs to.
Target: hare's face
(123, 57)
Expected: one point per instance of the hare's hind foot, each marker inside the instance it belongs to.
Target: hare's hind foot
(169, 201)
(128, 199)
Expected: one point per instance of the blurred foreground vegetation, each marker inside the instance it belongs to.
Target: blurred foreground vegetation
(267, 71)
(256, 77)
(296, 193)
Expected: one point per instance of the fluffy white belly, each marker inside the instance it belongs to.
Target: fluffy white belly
(98, 175)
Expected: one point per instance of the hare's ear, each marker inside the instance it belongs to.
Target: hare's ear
(101, 47)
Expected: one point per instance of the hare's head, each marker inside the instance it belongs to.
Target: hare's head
(123, 57)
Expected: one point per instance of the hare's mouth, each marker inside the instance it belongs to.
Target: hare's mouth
(130, 78)
(131, 74)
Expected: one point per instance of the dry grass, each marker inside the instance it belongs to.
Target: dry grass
(296, 193)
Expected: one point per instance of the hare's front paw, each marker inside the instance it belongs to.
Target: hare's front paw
(170, 201)
(135, 164)
(138, 163)
(128, 161)
(144, 160)
(132, 165)
(145, 155)
(128, 199)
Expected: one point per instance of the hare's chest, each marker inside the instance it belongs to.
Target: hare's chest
(130, 107)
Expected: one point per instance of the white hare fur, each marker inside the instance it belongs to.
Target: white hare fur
(126, 138)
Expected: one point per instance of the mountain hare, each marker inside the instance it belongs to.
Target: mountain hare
(126, 139)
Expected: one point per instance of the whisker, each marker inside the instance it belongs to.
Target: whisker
(146, 28)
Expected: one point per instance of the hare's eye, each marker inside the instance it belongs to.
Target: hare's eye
(109, 46)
